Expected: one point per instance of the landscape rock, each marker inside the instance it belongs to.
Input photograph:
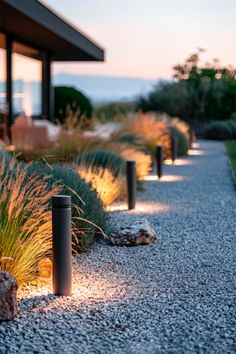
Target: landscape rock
(139, 233)
(8, 301)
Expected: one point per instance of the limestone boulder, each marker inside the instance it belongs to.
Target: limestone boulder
(138, 233)
(8, 300)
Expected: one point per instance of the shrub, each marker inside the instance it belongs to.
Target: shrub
(143, 161)
(198, 93)
(70, 97)
(66, 150)
(25, 227)
(154, 131)
(232, 125)
(83, 197)
(233, 116)
(182, 142)
(221, 130)
(231, 149)
(112, 111)
(132, 140)
(101, 158)
(182, 126)
(108, 187)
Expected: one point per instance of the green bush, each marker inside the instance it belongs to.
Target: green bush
(198, 93)
(70, 97)
(182, 142)
(233, 116)
(112, 111)
(75, 186)
(232, 125)
(231, 149)
(221, 130)
(102, 158)
(134, 140)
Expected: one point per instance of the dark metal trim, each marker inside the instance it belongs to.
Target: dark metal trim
(9, 42)
(47, 91)
(67, 34)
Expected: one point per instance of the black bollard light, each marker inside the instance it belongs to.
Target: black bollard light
(61, 245)
(173, 149)
(159, 160)
(131, 184)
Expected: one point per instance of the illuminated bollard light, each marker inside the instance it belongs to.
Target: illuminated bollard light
(131, 184)
(173, 149)
(61, 245)
(159, 160)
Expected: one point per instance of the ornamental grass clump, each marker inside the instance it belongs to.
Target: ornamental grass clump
(143, 161)
(153, 130)
(25, 220)
(102, 158)
(182, 126)
(109, 188)
(88, 214)
(181, 141)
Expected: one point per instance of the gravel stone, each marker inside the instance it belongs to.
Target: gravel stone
(175, 296)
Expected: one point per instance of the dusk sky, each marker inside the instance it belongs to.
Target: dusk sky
(145, 38)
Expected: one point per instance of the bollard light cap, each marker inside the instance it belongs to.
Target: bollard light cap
(61, 200)
(131, 162)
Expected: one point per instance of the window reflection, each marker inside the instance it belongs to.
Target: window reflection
(2, 72)
(27, 81)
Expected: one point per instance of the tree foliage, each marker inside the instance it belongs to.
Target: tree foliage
(69, 99)
(198, 92)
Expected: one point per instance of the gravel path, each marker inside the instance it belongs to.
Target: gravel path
(176, 296)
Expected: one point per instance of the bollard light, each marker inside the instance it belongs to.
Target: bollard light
(131, 184)
(173, 149)
(159, 160)
(61, 245)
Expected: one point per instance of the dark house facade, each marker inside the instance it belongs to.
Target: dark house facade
(32, 36)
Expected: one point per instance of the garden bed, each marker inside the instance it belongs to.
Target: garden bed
(175, 295)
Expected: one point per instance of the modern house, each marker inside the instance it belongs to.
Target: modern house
(32, 37)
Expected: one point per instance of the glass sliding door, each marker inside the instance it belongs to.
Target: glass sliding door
(26, 81)
(3, 88)
(3, 73)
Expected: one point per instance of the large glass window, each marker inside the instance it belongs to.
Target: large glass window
(2, 72)
(27, 80)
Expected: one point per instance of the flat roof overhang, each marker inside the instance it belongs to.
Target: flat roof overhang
(35, 24)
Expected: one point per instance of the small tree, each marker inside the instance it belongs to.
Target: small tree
(72, 99)
(199, 92)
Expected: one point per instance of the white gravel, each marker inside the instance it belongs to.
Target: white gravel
(176, 296)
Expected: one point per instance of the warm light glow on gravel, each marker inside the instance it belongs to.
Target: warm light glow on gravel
(178, 162)
(141, 208)
(150, 178)
(196, 152)
(88, 287)
(165, 178)
(172, 178)
(195, 145)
